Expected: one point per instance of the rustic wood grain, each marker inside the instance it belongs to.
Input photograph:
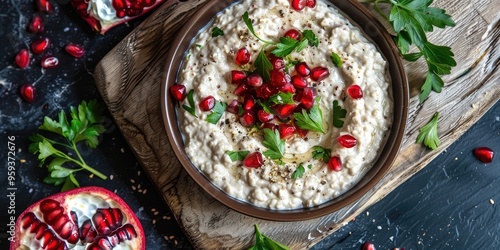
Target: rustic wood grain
(129, 79)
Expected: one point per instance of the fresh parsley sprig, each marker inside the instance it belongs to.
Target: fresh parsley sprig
(428, 133)
(274, 143)
(192, 107)
(312, 120)
(321, 153)
(217, 112)
(411, 20)
(216, 31)
(299, 171)
(85, 126)
(282, 98)
(338, 115)
(263, 242)
(237, 155)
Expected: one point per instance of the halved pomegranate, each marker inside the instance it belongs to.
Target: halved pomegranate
(108, 14)
(82, 218)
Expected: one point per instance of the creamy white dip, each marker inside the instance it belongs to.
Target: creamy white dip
(207, 67)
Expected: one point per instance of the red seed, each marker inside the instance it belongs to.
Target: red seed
(233, 107)
(264, 91)
(242, 56)
(271, 126)
(49, 62)
(254, 80)
(355, 91)
(249, 103)
(293, 34)
(237, 77)
(484, 154)
(278, 78)
(27, 92)
(75, 50)
(44, 6)
(41, 45)
(36, 24)
(277, 62)
(284, 111)
(311, 3)
(286, 130)
(253, 160)
(178, 92)
(263, 116)
(302, 69)
(306, 98)
(319, 73)
(368, 246)
(207, 103)
(23, 59)
(298, 5)
(301, 132)
(241, 90)
(287, 88)
(247, 119)
(335, 164)
(347, 141)
(299, 81)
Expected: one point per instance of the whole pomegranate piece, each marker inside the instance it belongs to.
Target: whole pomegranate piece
(91, 217)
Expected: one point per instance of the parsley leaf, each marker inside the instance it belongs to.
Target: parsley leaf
(299, 172)
(336, 59)
(191, 108)
(249, 25)
(85, 125)
(263, 242)
(321, 153)
(428, 133)
(272, 141)
(216, 31)
(237, 155)
(265, 106)
(310, 121)
(282, 98)
(217, 112)
(285, 47)
(338, 114)
(263, 66)
(311, 38)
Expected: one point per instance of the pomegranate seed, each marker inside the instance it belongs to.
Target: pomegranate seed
(49, 62)
(298, 5)
(284, 111)
(287, 88)
(301, 132)
(278, 78)
(319, 73)
(368, 246)
(41, 45)
(253, 160)
(207, 103)
(248, 103)
(293, 34)
(36, 24)
(263, 116)
(355, 91)
(237, 76)
(27, 92)
(348, 141)
(306, 98)
(302, 69)
(299, 81)
(241, 90)
(277, 62)
(233, 107)
(484, 154)
(271, 126)
(178, 92)
(242, 56)
(23, 59)
(286, 130)
(44, 6)
(247, 119)
(311, 3)
(264, 92)
(254, 80)
(75, 50)
(335, 164)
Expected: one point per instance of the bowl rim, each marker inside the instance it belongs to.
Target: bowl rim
(355, 12)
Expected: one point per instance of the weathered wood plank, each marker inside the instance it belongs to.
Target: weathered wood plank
(129, 80)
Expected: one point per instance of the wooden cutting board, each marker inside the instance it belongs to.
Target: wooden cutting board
(129, 79)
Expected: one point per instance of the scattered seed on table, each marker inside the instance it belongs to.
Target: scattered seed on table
(22, 160)
(156, 213)
(139, 173)
(153, 209)
(144, 191)
(122, 150)
(492, 201)
(171, 237)
(111, 177)
(134, 188)
(91, 176)
(132, 180)
(154, 222)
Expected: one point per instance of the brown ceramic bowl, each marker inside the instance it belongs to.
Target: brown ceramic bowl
(359, 15)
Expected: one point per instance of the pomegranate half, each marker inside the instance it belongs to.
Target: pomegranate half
(91, 218)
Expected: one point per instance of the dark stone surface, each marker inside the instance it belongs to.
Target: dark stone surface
(445, 206)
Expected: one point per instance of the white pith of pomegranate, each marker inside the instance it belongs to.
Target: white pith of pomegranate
(91, 218)
(104, 15)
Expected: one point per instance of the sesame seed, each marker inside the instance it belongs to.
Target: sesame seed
(132, 180)
(134, 188)
(111, 177)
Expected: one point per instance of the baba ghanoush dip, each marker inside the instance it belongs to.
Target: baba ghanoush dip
(283, 105)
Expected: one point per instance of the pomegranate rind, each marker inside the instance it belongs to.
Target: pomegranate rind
(100, 192)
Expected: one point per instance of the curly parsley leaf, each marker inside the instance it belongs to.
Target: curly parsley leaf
(312, 120)
(311, 38)
(85, 125)
(428, 133)
(274, 143)
(263, 66)
(282, 98)
(237, 155)
(191, 108)
(299, 172)
(217, 112)
(337, 61)
(321, 153)
(263, 242)
(338, 114)
(216, 31)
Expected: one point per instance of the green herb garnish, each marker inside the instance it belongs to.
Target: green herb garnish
(237, 155)
(321, 153)
(217, 112)
(216, 31)
(274, 143)
(191, 108)
(336, 59)
(86, 125)
(263, 242)
(282, 98)
(311, 38)
(299, 172)
(338, 114)
(428, 133)
(263, 66)
(310, 121)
